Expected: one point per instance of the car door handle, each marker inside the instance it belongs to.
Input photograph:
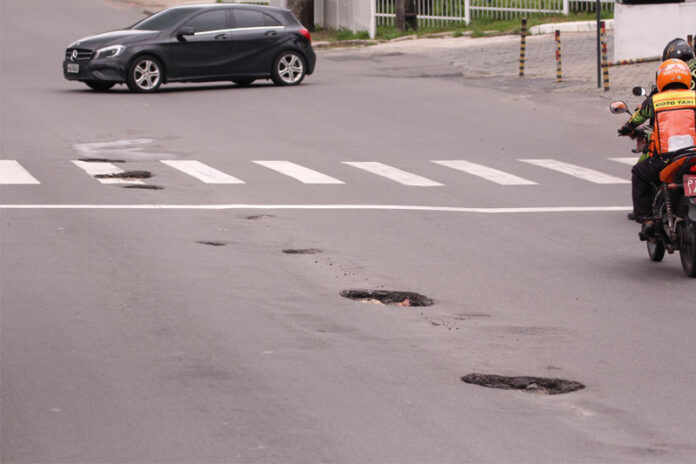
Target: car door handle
(270, 33)
(220, 36)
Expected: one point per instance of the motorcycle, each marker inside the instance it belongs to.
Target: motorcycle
(674, 202)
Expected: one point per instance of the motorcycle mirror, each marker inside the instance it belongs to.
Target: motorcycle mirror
(618, 107)
(639, 92)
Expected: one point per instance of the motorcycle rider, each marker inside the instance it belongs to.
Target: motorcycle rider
(672, 112)
(680, 49)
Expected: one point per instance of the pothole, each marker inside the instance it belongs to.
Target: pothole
(256, 217)
(302, 251)
(211, 243)
(126, 175)
(387, 297)
(541, 385)
(143, 187)
(101, 160)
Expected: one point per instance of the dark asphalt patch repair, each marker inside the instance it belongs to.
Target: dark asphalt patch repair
(302, 251)
(387, 297)
(126, 175)
(211, 243)
(541, 385)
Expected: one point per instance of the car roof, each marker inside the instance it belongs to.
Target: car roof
(229, 5)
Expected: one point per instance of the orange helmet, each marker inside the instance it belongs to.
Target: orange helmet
(673, 71)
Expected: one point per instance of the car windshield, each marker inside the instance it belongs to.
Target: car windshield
(162, 20)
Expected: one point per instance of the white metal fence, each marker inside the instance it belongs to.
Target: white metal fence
(446, 12)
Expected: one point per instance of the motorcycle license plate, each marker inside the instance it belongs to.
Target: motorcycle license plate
(690, 186)
(73, 68)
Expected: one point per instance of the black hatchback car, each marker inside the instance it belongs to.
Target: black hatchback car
(196, 43)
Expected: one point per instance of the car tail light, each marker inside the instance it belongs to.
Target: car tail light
(306, 33)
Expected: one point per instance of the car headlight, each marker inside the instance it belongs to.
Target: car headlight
(109, 52)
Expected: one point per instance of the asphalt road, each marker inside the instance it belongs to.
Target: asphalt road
(125, 339)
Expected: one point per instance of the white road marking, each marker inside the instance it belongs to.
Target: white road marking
(126, 149)
(202, 172)
(494, 175)
(301, 173)
(395, 174)
(11, 172)
(630, 161)
(577, 171)
(450, 209)
(102, 168)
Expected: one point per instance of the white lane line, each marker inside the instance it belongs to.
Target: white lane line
(395, 174)
(630, 161)
(202, 172)
(104, 169)
(577, 171)
(11, 172)
(494, 175)
(450, 209)
(301, 173)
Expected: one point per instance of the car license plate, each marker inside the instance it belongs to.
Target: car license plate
(73, 68)
(690, 186)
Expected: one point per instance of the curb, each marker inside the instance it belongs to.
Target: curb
(578, 26)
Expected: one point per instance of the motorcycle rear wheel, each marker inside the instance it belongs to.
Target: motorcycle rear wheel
(656, 249)
(687, 247)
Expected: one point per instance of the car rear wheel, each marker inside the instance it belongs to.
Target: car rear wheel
(100, 86)
(145, 74)
(288, 69)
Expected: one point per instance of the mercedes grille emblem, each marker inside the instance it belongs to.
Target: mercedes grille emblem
(73, 57)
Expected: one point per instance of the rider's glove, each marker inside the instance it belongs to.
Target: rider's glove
(626, 129)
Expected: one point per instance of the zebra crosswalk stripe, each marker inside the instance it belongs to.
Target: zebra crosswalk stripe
(301, 173)
(11, 172)
(494, 175)
(202, 172)
(395, 174)
(576, 171)
(104, 169)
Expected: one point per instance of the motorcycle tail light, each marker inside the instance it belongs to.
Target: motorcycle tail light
(692, 168)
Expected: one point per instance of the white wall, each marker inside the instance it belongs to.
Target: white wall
(642, 31)
(356, 15)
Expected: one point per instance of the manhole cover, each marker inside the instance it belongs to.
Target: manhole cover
(387, 297)
(125, 175)
(302, 251)
(540, 385)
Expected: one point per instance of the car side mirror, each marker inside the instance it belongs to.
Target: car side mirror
(639, 92)
(618, 107)
(184, 31)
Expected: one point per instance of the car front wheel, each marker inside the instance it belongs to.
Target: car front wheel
(289, 69)
(145, 74)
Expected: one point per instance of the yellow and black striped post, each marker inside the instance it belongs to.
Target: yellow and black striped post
(605, 61)
(559, 71)
(523, 45)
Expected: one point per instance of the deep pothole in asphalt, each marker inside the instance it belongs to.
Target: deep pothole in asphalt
(211, 243)
(126, 175)
(101, 160)
(143, 187)
(388, 297)
(302, 251)
(540, 385)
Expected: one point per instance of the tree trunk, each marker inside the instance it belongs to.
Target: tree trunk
(303, 11)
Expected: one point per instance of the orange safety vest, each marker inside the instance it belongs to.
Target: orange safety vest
(675, 120)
